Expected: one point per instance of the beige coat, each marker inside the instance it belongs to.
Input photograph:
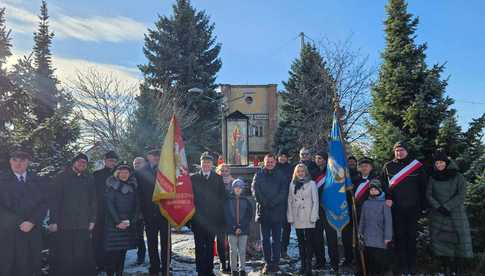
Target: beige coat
(303, 206)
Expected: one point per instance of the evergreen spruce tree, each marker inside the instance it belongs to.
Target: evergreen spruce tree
(50, 128)
(408, 98)
(307, 109)
(9, 94)
(473, 157)
(46, 96)
(182, 53)
(450, 138)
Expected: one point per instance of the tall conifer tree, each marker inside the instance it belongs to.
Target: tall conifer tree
(182, 53)
(409, 101)
(308, 104)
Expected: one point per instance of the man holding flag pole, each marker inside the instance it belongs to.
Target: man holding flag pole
(173, 186)
(334, 195)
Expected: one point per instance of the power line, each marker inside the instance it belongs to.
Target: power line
(469, 102)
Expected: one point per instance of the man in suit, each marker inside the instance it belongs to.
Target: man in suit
(208, 220)
(23, 207)
(155, 223)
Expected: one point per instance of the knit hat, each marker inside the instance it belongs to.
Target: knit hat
(375, 184)
(282, 152)
(366, 160)
(322, 154)
(238, 183)
(111, 155)
(441, 156)
(80, 156)
(400, 144)
(206, 156)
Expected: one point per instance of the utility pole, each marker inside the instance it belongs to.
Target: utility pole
(302, 39)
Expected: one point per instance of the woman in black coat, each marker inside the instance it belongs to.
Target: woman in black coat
(123, 206)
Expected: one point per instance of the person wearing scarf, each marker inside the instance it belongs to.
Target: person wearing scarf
(303, 213)
(450, 231)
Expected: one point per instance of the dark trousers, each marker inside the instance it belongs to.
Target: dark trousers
(271, 233)
(405, 231)
(285, 237)
(318, 243)
(153, 229)
(305, 247)
(20, 252)
(377, 260)
(140, 229)
(115, 262)
(332, 242)
(98, 243)
(204, 250)
(221, 249)
(73, 253)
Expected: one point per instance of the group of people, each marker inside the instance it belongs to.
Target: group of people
(93, 220)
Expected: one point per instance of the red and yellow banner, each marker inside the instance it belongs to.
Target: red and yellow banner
(173, 187)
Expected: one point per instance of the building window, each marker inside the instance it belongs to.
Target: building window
(249, 100)
(256, 131)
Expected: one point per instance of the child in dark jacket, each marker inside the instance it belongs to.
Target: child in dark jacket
(375, 228)
(238, 213)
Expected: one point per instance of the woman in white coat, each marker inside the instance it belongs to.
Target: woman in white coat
(303, 213)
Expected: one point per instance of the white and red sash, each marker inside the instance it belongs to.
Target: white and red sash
(361, 189)
(402, 174)
(320, 180)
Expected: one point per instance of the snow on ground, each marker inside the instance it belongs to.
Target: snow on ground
(183, 259)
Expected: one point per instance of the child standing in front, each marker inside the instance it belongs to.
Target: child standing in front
(375, 228)
(238, 213)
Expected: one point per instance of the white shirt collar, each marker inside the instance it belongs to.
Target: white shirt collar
(24, 175)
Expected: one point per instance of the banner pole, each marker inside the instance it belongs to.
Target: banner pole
(168, 249)
(355, 224)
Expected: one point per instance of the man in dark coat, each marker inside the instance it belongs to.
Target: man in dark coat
(287, 170)
(138, 163)
(271, 192)
(154, 221)
(72, 219)
(208, 220)
(100, 176)
(22, 210)
(318, 239)
(306, 158)
(404, 182)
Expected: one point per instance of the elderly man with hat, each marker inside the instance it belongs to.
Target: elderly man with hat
(72, 218)
(22, 210)
(100, 176)
(208, 220)
(155, 223)
(404, 183)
